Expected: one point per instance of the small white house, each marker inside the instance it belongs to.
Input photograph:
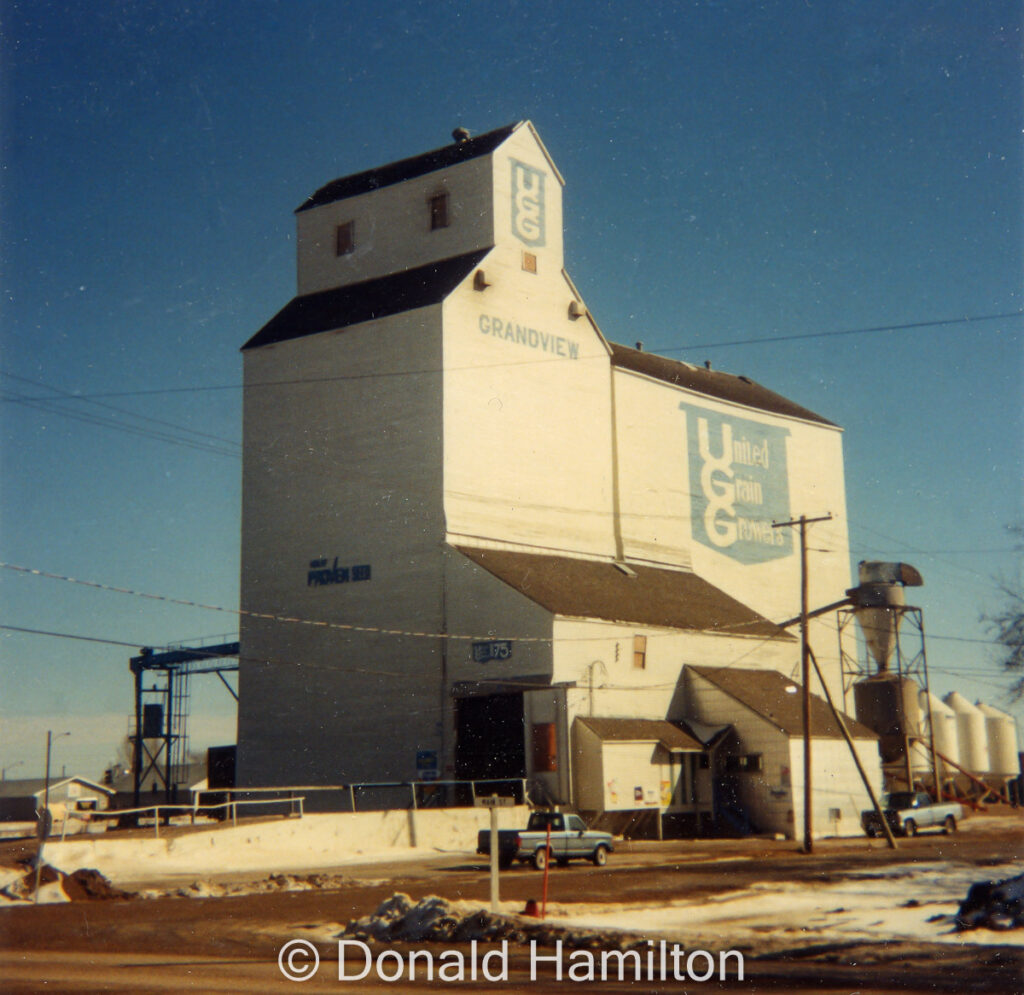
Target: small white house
(71, 800)
(631, 765)
(761, 779)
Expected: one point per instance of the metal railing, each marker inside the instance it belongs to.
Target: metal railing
(420, 794)
(295, 803)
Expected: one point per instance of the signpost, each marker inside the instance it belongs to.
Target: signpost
(494, 802)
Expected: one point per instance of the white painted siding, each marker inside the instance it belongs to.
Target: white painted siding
(607, 775)
(835, 785)
(655, 492)
(340, 465)
(633, 775)
(392, 227)
(515, 432)
(524, 146)
(527, 417)
(766, 796)
(773, 797)
(601, 654)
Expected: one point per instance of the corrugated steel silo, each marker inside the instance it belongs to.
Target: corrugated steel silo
(945, 726)
(971, 733)
(1001, 730)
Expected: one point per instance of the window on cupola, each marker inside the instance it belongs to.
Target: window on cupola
(438, 211)
(345, 238)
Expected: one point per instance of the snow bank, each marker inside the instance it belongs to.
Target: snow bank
(915, 902)
(315, 841)
(438, 920)
(55, 886)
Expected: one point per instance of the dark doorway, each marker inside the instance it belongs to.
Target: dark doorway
(489, 738)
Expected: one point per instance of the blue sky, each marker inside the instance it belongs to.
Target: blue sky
(735, 171)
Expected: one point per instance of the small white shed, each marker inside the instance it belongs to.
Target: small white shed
(624, 764)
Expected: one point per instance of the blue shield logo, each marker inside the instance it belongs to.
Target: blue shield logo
(527, 204)
(739, 485)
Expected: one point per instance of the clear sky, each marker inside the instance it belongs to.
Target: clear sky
(735, 171)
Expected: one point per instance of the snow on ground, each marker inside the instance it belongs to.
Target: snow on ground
(311, 843)
(914, 902)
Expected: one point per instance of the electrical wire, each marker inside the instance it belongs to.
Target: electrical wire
(936, 323)
(106, 422)
(908, 326)
(64, 394)
(729, 629)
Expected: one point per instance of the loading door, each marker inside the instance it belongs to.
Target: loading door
(489, 738)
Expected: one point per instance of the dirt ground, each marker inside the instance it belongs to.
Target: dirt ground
(231, 944)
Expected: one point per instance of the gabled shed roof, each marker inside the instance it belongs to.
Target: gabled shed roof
(577, 588)
(779, 700)
(406, 169)
(668, 734)
(340, 307)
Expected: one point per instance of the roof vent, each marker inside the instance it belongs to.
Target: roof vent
(707, 364)
(460, 135)
(639, 347)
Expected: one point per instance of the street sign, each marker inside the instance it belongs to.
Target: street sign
(495, 801)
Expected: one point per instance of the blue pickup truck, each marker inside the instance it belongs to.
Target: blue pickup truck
(570, 839)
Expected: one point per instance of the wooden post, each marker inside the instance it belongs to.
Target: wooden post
(803, 521)
(853, 750)
(494, 858)
(547, 867)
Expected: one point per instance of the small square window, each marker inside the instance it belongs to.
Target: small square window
(345, 238)
(438, 211)
(639, 652)
(529, 262)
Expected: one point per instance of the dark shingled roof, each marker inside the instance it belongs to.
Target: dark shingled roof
(406, 169)
(598, 589)
(661, 731)
(741, 390)
(340, 307)
(764, 691)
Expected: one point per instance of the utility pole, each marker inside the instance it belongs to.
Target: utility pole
(803, 521)
(44, 821)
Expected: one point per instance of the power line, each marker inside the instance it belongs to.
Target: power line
(105, 422)
(68, 635)
(730, 629)
(938, 323)
(967, 319)
(337, 378)
(124, 411)
(333, 669)
(963, 639)
(911, 549)
(979, 551)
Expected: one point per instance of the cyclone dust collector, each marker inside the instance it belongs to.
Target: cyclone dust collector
(887, 690)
